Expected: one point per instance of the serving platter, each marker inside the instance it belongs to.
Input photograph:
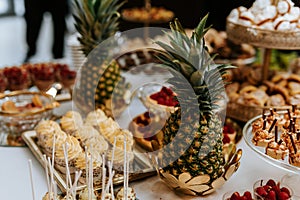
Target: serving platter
(141, 167)
(260, 151)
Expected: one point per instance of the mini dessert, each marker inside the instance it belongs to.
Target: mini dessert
(84, 195)
(277, 150)
(60, 139)
(108, 127)
(80, 164)
(263, 137)
(43, 76)
(228, 131)
(97, 146)
(17, 78)
(83, 133)
(118, 162)
(130, 194)
(262, 14)
(45, 130)
(67, 77)
(73, 150)
(94, 118)
(71, 121)
(294, 158)
(3, 82)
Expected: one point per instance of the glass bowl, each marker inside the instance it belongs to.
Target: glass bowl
(262, 189)
(292, 180)
(22, 110)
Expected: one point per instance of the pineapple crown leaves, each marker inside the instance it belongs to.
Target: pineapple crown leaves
(188, 56)
(95, 21)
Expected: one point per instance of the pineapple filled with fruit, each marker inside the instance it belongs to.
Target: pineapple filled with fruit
(191, 158)
(100, 80)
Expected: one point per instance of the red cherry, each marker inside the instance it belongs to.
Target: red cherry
(235, 196)
(283, 196)
(261, 191)
(286, 190)
(271, 182)
(271, 195)
(248, 195)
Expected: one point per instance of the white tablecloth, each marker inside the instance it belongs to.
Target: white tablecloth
(15, 179)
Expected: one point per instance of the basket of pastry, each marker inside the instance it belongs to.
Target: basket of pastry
(266, 24)
(248, 95)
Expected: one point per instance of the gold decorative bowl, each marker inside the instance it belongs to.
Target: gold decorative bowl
(201, 185)
(14, 122)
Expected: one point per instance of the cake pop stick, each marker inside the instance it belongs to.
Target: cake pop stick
(31, 179)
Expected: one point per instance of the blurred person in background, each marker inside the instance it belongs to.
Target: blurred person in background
(34, 12)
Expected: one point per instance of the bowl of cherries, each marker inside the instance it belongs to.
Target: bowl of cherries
(158, 98)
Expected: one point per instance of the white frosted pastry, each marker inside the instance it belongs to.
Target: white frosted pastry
(60, 139)
(98, 144)
(74, 150)
(84, 195)
(120, 135)
(85, 132)
(108, 127)
(234, 15)
(119, 158)
(293, 15)
(130, 194)
(71, 121)
(95, 117)
(45, 129)
(80, 164)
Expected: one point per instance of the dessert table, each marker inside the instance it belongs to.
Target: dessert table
(15, 178)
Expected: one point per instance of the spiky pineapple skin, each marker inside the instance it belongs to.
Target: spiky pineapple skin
(96, 21)
(193, 146)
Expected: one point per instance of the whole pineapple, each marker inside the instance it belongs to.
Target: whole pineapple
(96, 21)
(192, 142)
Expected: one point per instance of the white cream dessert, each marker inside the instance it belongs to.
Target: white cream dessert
(94, 118)
(262, 14)
(45, 130)
(130, 194)
(80, 164)
(74, 151)
(118, 162)
(98, 145)
(108, 127)
(71, 121)
(60, 139)
(85, 132)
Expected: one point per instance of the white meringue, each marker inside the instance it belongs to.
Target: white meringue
(283, 7)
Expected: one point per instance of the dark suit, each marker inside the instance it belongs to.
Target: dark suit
(34, 12)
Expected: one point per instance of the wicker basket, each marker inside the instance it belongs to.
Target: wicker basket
(286, 40)
(244, 113)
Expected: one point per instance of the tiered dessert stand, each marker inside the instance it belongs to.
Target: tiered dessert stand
(265, 39)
